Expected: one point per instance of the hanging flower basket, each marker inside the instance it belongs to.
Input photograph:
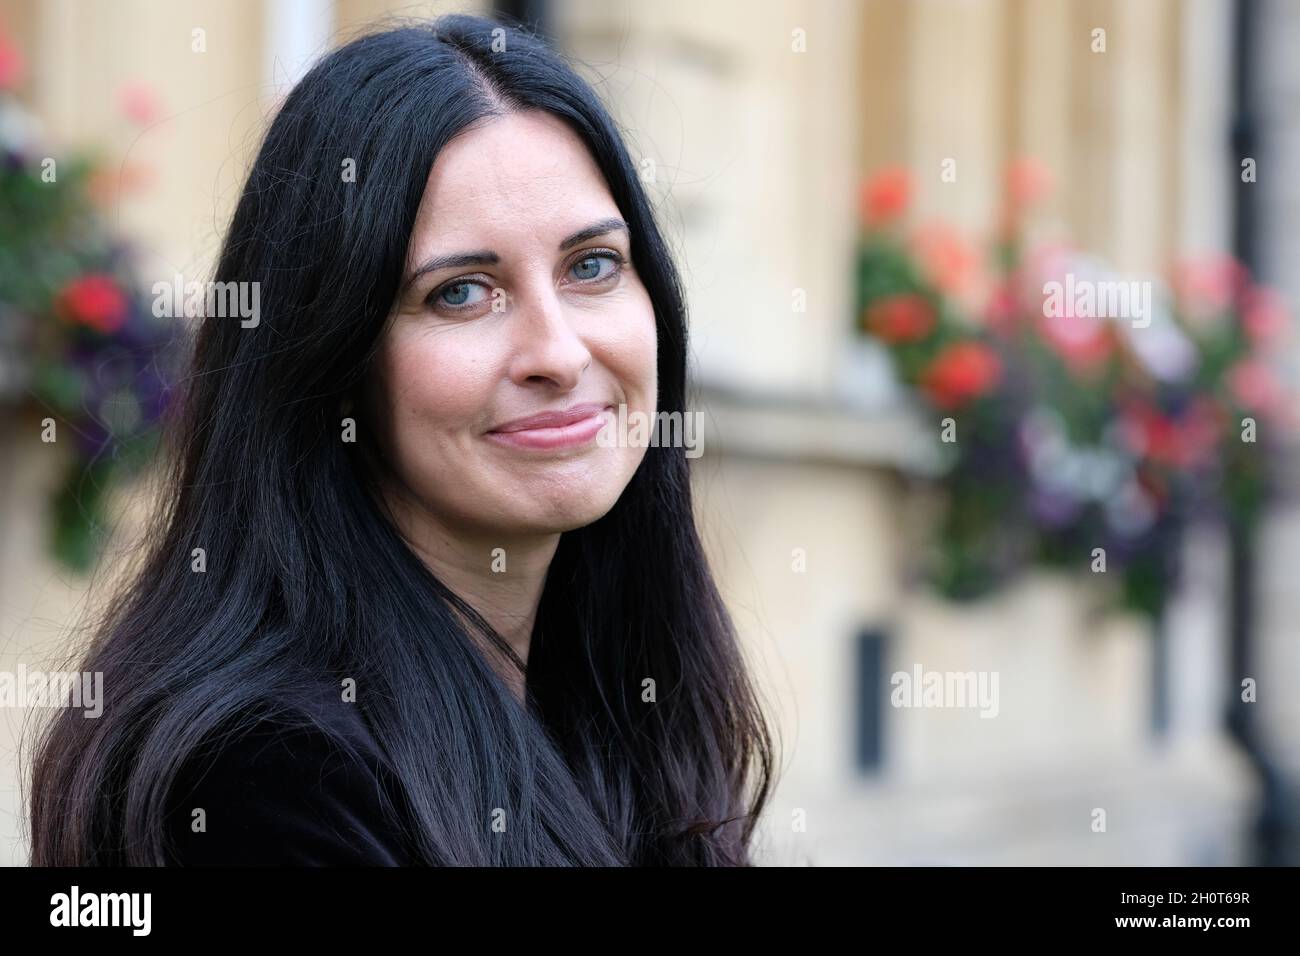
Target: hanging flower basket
(82, 357)
(1086, 417)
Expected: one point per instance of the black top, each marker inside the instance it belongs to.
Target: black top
(286, 794)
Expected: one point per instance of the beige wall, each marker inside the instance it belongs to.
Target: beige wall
(984, 82)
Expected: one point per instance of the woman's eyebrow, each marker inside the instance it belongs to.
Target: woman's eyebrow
(594, 230)
(485, 257)
(456, 260)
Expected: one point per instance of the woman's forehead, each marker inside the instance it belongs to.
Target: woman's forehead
(514, 179)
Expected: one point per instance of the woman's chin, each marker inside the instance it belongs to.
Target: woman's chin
(568, 511)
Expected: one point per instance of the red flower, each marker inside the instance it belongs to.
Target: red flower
(1185, 442)
(94, 300)
(960, 373)
(906, 317)
(885, 196)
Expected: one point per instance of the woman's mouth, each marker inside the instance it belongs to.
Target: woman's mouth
(569, 428)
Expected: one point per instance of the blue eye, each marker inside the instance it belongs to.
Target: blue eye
(588, 268)
(456, 295)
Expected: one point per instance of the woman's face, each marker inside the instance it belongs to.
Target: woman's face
(519, 298)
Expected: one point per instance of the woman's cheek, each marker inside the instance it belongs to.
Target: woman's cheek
(628, 346)
(442, 381)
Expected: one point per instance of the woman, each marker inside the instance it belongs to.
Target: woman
(405, 606)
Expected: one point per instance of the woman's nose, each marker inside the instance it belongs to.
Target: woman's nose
(546, 345)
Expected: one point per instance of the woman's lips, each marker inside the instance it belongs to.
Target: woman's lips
(547, 436)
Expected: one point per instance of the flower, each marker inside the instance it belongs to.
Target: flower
(1209, 286)
(946, 258)
(1002, 310)
(961, 372)
(905, 317)
(1201, 428)
(1028, 181)
(94, 300)
(1183, 441)
(1084, 344)
(1253, 385)
(139, 103)
(1071, 318)
(105, 185)
(1264, 316)
(11, 64)
(885, 196)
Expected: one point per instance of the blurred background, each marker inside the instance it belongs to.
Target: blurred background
(1017, 572)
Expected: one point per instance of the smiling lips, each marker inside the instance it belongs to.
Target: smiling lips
(571, 427)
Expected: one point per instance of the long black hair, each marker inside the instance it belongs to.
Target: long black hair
(306, 578)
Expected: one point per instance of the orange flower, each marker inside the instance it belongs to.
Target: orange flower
(961, 372)
(947, 259)
(906, 317)
(104, 185)
(94, 300)
(885, 196)
(1028, 181)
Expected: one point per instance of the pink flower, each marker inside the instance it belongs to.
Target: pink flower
(1200, 430)
(1002, 310)
(1210, 286)
(11, 64)
(139, 103)
(1264, 316)
(1254, 387)
(1083, 342)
